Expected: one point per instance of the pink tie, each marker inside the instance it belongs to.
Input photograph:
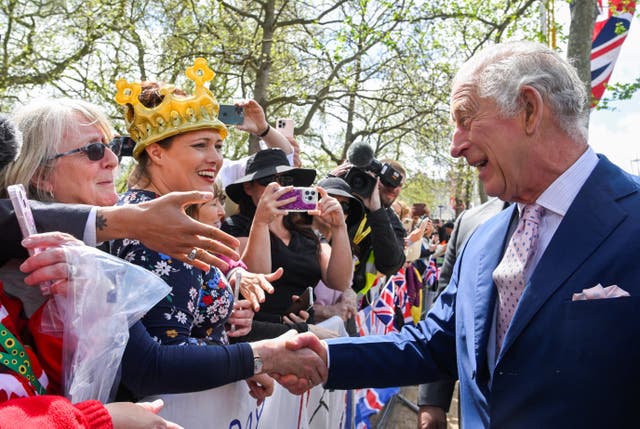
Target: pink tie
(509, 275)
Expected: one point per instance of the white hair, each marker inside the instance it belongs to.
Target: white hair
(500, 71)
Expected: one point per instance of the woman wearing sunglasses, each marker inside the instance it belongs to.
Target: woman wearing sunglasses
(67, 157)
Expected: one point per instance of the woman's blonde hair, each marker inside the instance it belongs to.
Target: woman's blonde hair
(44, 125)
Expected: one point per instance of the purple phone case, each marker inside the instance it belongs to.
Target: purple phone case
(306, 199)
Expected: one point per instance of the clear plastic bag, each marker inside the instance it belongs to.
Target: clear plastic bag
(104, 297)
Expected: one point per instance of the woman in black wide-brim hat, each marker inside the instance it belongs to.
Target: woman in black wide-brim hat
(271, 237)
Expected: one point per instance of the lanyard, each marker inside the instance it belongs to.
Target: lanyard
(361, 232)
(16, 359)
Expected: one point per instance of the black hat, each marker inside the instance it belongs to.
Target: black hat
(339, 186)
(265, 163)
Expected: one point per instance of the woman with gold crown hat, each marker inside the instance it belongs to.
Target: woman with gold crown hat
(76, 164)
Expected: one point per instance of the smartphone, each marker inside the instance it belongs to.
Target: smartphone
(304, 302)
(230, 114)
(306, 199)
(18, 197)
(285, 126)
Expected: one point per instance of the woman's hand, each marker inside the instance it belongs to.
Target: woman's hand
(260, 386)
(255, 121)
(49, 264)
(416, 235)
(241, 318)
(268, 208)
(127, 415)
(329, 210)
(253, 286)
(293, 318)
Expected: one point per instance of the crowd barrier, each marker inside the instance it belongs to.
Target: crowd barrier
(231, 407)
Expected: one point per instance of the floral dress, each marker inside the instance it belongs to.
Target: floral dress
(199, 303)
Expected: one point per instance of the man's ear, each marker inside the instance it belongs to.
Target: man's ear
(533, 108)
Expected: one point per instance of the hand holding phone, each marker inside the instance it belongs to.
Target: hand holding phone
(304, 302)
(285, 126)
(18, 197)
(306, 199)
(230, 114)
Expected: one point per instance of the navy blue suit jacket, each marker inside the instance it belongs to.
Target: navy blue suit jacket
(563, 363)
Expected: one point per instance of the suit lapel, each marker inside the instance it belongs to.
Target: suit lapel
(581, 232)
(495, 238)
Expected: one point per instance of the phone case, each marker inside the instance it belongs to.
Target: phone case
(306, 199)
(285, 126)
(20, 204)
(304, 302)
(231, 115)
(18, 198)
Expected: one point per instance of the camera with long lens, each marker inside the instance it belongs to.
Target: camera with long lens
(363, 160)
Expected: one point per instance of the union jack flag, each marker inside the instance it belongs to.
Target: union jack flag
(431, 274)
(383, 307)
(610, 30)
(371, 401)
(401, 299)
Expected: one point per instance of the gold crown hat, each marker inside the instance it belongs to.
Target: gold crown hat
(176, 114)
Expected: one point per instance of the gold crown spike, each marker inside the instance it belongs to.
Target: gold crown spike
(176, 114)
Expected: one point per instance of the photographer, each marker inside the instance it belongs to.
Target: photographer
(379, 239)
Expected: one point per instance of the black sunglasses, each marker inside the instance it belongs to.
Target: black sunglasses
(283, 180)
(345, 206)
(94, 151)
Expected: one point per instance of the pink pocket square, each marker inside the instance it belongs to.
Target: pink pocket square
(599, 292)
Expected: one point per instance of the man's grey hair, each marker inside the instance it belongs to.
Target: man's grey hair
(500, 71)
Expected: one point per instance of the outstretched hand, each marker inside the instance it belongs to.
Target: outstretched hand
(253, 286)
(300, 383)
(299, 366)
(165, 217)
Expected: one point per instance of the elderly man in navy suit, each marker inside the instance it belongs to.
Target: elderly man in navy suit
(542, 331)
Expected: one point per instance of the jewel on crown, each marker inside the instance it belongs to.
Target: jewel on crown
(176, 114)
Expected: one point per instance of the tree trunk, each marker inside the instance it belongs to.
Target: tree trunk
(264, 66)
(583, 17)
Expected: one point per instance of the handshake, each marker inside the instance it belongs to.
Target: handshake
(297, 361)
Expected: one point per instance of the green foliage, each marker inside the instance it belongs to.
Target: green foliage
(374, 71)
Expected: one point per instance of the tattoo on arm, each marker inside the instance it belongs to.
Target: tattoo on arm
(101, 221)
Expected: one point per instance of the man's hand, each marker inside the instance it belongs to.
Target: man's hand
(302, 379)
(373, 202)
(293, 360)
(163, 225)
(253, 286)
(127, 415)
(431, 417)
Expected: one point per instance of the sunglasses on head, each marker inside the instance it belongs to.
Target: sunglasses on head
(283, 180)
(94, 151)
